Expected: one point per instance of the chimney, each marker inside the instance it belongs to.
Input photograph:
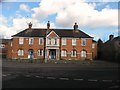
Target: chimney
(111, 37)
(30, 25)
(48, 25)
(75, 26)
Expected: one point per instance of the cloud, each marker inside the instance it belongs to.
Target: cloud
(76, 10)
(24, 7)
(19, 24)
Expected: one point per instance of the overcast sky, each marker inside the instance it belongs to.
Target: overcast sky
(98, 19)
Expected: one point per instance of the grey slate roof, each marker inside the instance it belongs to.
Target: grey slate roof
(60, 32)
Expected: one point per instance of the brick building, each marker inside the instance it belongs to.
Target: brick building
(50, 44)
(4, 47)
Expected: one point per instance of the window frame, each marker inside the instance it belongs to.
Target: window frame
(83, 54)
(20, 52)
(73, 53)
(64, 41)
(40, 40)
(83, 42)
(31, 43)
(64, 53)
(74, 41)
(40, 52)
(21, 40)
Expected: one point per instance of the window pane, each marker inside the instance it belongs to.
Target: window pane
(40, 41)
(31, 40)
(63, 41)
(74, 41)
(83, 42)
(20, 52)
(21, 40)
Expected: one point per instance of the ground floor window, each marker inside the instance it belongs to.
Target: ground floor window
(83, 53)
(20, 52)
(40, 52)
(63, 53)
(74, 53)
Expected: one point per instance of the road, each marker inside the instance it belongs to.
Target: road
(103, 75)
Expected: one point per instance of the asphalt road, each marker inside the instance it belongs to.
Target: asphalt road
(99, 74)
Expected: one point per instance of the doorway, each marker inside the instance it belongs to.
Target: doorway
(52, 54)
(30, 53)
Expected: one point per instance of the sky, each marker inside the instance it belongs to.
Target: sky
(98, 18)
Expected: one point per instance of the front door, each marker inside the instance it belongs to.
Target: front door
(30, 56)
(52, 54)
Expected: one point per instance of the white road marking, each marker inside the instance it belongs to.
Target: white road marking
(78, 79)
(27, 75)
(4, 75)
(51, 78)
(107, 80)
(8, 74)
(37, 76)
(92, 80)
(64, 78)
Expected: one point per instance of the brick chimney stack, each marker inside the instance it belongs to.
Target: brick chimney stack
(111, 37)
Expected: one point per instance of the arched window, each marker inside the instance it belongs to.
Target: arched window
(20, 52)
(63, 53)
(83, 53)
(74, 53)
(40, 52)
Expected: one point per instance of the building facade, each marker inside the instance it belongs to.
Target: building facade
(52, 44)
(4, 44)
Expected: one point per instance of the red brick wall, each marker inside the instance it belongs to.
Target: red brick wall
(15, 47)
(69, 47)
(25, 46)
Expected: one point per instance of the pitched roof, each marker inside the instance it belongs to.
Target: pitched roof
(60, 32)
(5, 40)
(109, 42)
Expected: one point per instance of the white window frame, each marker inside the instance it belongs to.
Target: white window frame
(74, 41)
(2, 45)
(20, 52)
(31, 42)
(63, 41)
(64, 53)
(21, 40)
(83, 54)
(93, 45)
(40, 40)
(83, 42)
(40, 52)
(72, 53)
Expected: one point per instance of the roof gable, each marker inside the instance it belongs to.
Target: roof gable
(52, 34)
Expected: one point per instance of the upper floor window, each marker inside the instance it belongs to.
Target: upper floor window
(31, 40)
(74, 53)
(40, 52)
(52, 41)
(74, 41)
(40, 41)
(21, 40)
(20, 52)
(83, 42)
(64, 53)
(63, 41)
(93, 45)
